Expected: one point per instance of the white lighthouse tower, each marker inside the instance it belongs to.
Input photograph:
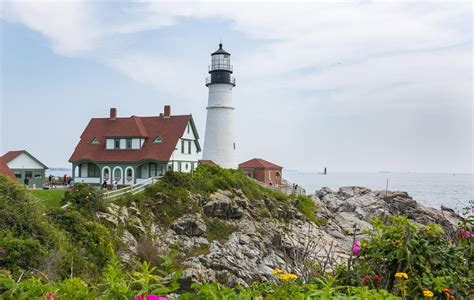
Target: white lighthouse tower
(219, 141)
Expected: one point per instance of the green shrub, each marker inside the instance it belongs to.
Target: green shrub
(89, 237)
(85, 198)
(26, 235)
(430, 259)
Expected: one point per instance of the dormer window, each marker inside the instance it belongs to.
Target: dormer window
(158, 140)
(95, 141)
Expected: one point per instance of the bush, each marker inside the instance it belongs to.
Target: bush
(85, 198)
(430, 260)
(27, 237)
(89, 237)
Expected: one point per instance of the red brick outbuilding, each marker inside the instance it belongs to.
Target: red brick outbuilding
(263, 171)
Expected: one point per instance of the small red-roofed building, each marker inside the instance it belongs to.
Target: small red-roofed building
(263, 171)
(23, 165)
(131, 149)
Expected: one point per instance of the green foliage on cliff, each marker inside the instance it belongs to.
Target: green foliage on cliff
(218, 229)
(179, 193)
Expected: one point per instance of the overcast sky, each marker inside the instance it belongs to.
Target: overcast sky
(351, 85)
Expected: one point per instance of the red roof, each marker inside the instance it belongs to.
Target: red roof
(11, 155)
(169, 129)
(259, 163)
(5, 170)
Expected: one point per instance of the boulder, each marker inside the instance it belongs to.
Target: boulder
(221, 206)
(189, 225)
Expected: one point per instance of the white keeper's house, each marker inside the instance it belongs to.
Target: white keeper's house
(132, 149)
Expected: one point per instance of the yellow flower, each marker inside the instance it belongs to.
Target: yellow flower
(277, 271)
(136, 274)
(401, 275)
(288, 276)
(428, 293)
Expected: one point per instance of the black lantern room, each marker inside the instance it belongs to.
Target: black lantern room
(220, 68)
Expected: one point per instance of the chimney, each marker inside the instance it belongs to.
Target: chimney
(113, 113)
(167, 113)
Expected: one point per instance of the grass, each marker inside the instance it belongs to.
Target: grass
(219, 230)
(50, 198)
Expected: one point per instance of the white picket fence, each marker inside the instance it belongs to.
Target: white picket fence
(132, 189)
(286, 187)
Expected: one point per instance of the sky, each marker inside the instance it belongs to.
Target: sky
(356, 86)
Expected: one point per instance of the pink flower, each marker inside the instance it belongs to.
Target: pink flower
(356, 248)
(49, 296)
(465, 234)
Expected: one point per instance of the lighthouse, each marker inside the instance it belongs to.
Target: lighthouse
(219, 140)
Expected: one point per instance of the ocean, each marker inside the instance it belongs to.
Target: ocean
(451, 190)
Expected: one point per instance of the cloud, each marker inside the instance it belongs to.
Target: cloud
(328, 67)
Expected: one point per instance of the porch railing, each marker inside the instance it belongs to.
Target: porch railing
(285, 187)
(132, 189)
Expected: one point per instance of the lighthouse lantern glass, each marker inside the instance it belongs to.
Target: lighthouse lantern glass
(221, 62)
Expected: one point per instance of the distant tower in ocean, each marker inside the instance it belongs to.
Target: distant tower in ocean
(219, 142)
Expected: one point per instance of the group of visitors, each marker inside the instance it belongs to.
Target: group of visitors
(68, 182)
(105, 185)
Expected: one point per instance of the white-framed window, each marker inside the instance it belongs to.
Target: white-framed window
(158, 140)
(95, 141)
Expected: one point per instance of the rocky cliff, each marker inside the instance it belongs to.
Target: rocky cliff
(230, 238)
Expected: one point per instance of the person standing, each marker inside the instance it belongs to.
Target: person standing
(65, 180)
(104, 184)
(26, 181)
(50, 180)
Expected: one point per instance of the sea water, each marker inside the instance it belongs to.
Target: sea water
(451, 190)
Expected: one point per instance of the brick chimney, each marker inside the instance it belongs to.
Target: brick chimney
(167, 112)
(113, 113)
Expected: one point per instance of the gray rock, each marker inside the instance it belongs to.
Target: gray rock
(221, 206)
(190, 225)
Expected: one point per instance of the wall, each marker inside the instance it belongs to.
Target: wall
(24, 161)
(265, 175)
(181, 160)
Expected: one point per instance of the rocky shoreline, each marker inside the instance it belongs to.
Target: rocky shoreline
(257, 244)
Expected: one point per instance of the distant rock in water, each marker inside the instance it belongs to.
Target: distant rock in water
(236, 240)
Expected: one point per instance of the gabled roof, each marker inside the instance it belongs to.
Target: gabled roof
(5, 170)
(10, 155)
(169, 129)
(259, 163)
